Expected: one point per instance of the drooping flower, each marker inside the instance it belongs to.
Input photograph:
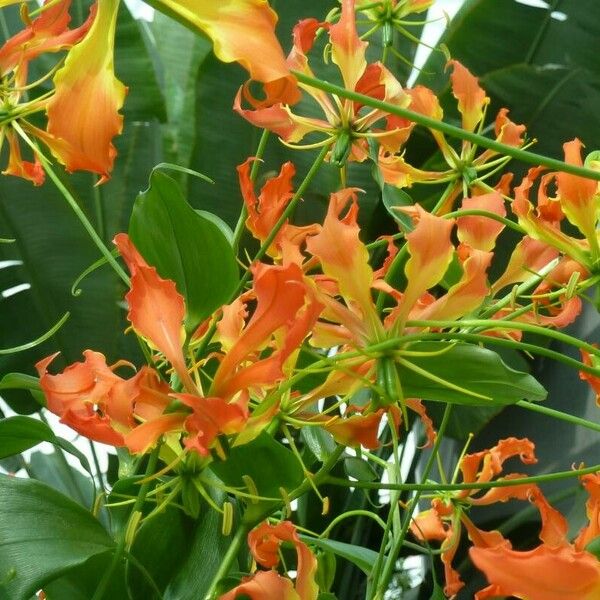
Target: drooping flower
(347, 124)
(444, 520)
(264, 542)
(156, 309)
(48, 32)
(99, 404)
(84, 110)
(556, 569)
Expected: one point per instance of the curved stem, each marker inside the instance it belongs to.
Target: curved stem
(75, 207)
(135, 511)
(388, 570)
(516, 153)
(453, 487)
(235, 546)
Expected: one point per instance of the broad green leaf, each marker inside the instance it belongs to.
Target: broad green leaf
(81, 582)
(319, 442)
(363, 558)
(359, 469)
(54, 470)
(134, 67)
(154, 546)
(269, 464)
(205, 552)
(21, 433)
(43, 534)
(185, 247)
(20, 381)
(483, 379)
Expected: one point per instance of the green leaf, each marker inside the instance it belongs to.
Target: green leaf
(483, 379)
(154, 547)
(43, 534)
(18, 434)
(185, 247)
(203, 557)
(359, 469)
(319, 442)
(270, 465)
(54, 470)
(394, 198)
(363, 558)
(134, 67)
(20, 381)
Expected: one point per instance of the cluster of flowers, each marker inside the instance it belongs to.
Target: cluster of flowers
(319, 287)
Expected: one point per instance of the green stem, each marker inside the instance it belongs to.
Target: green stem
(497, 324)
(506, 343)
(516, 153)
(241, 222)
(87, 225)
(238, 540)
(66, 467)
(388, 570)
(488, 215)
(453, 487)
(557, 414)
(121, 545)
(75, 207)
(246, 525)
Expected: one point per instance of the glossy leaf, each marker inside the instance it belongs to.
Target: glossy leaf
(483, 379)
(268, 463)
(185, 247)
(363, 558)
(43, 534)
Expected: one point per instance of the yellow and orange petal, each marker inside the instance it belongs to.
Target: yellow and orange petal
(431, 251)
(263, 585)
(241, 30)
(480, 232)
(347, 49)
(471, 97)
(578, 195)
(84, 110)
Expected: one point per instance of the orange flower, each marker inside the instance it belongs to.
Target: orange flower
(97, 403)
(555, 570)
(285, 313)
(346, 125)
(444, 520)
(576, 198)
(84, 111)
(264, 542)
(265, 210)
(156, 309)
(47, 33)
(593, 380)
(464, 166)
